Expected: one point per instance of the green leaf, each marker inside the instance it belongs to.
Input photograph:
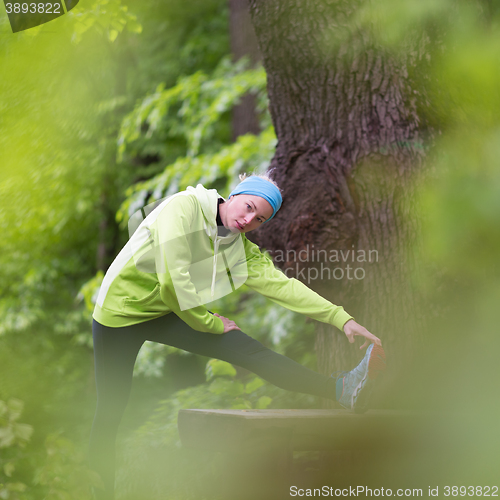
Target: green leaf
(23, 431)
(263, 402)
(7, 437)
(16, 408)
(134, 27)
(218, 368)
(228, 387)
(3, 408)
(8, 469)
(246, 405)
(19, 487)
(253, 385)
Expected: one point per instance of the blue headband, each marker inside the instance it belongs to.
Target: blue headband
(260, 187)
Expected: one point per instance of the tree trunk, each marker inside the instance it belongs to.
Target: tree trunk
(243, 43)
(349, 148)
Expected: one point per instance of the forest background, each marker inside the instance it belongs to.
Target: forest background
(117, 104)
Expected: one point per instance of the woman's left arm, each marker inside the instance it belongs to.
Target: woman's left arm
(266, 279)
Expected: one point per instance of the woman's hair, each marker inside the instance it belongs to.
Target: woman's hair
(262, 176)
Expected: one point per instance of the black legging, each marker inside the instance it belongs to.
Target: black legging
(115, 351)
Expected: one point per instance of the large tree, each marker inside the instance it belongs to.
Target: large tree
(243, 44)
(349, 145)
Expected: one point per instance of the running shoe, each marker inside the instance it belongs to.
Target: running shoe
(354, 388)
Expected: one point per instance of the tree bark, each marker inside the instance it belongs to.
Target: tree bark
(349, 148)
(243, 44)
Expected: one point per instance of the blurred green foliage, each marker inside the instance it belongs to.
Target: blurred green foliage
(195, 106)
(458, 206)
(13, 439)
(116, 105)
(64, 473)
(108, 17)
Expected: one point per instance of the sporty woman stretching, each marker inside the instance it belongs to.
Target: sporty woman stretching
(189, 251)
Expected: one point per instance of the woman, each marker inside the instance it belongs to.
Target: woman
(189, 251)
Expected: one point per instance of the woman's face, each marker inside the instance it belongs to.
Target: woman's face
(245, 212)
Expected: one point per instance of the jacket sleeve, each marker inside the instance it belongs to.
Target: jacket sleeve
(173, 259)
(266, 279)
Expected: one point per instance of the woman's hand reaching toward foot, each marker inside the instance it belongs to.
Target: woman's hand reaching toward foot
(351, 329)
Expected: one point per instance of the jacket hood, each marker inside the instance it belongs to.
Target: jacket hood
(208, 199)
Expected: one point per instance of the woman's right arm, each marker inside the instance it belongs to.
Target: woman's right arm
(266, 279)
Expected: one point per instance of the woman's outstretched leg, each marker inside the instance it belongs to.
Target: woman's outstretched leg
(238, 348)
(115, 351)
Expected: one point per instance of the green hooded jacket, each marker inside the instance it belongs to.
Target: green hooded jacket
(175, 261)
